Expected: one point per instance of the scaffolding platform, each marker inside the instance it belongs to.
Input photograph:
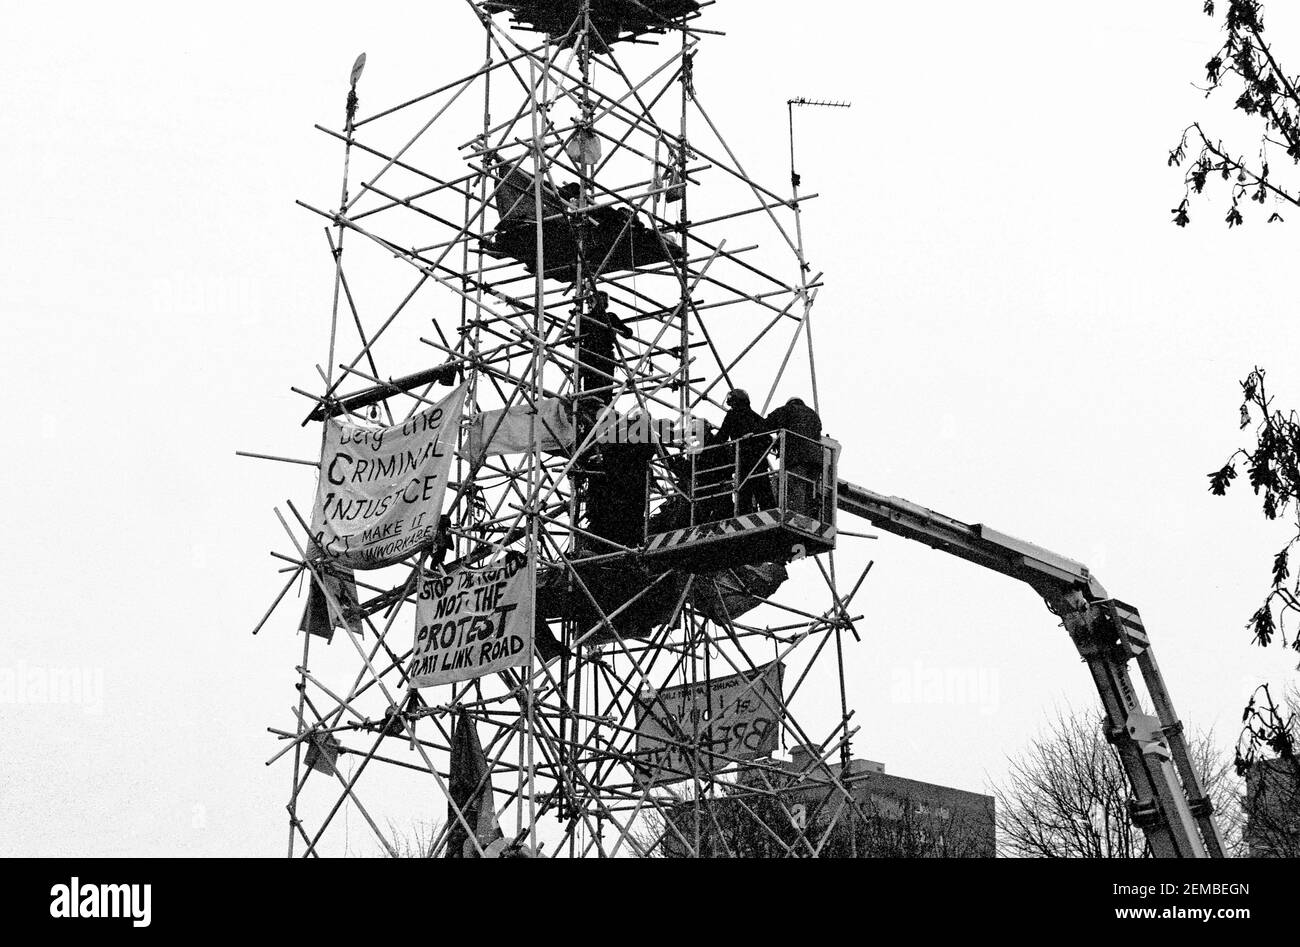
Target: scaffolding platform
(614, 20)
(616, 239)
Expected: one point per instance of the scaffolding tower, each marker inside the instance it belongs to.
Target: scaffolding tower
(549, 235)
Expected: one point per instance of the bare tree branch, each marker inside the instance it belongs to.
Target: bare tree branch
(1066, 795)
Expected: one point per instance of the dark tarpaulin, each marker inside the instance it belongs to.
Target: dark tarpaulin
(612, 586)
(728, 594)
(721, 596)
(612, 19)
(515, 201)
(316, 617)
(323, 753)
(469, 786)
(547, 646)
(616, 237)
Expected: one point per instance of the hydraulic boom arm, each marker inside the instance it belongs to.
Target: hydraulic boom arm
(1168, 801)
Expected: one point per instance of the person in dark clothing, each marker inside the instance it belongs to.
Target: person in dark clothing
(714, 468)
(616, 494)
(595, 345)
(802, 420)
(746, 425)
(675, 511)
(442, 541)
(803, 454)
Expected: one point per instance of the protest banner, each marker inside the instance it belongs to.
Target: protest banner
(737, 717)
(472, 622)
(381, 488)
(511, 431)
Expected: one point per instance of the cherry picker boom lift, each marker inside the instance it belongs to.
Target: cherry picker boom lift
(1168, 802)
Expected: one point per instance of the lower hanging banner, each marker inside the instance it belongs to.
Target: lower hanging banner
(472, 622)
(703, 728)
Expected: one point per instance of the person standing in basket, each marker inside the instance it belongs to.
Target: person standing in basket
(803, 454)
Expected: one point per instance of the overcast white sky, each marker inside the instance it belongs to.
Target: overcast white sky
(1012, 332)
